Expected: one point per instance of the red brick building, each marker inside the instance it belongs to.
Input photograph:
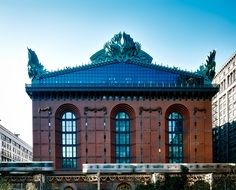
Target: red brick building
(120, 108)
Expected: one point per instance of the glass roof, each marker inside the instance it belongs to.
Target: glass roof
(115, 73)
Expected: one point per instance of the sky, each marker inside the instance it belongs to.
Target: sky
(65, 33)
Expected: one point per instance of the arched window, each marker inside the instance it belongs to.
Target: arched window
(175, 137)
(122, 137)
(68, 188)
(123, 186)
(69, 141)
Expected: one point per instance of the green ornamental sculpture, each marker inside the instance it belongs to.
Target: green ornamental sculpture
(208, 69)
(122, 47)
(211, 65)
(35, 68)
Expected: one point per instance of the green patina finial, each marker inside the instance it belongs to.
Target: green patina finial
(122, 47)
(35, 68)
(208, 69)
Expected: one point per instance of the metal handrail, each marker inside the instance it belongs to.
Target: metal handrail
(119, 85)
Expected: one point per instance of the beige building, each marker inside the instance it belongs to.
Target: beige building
(224, 102)
(12, 148)
(224, 112)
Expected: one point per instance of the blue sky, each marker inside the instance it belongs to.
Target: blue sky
(67, 32)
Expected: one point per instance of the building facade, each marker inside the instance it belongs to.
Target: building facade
(13, 148)
(120, 108)
(224, 113)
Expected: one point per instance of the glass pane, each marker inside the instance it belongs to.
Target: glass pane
(68, 138)
(74, 125)
(74, 151)
(122, 139)
(68, 115)
(170, 138)
(64, 116)
(117, 139)
(127, 150)
(117, 152)
(63, 139)
(63, 151)
(122, 126)
(63, 125)
(74, 139)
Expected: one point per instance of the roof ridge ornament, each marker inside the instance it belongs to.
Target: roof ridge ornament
(122, 47)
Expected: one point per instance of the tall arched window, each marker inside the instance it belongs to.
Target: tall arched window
(69, 141)
(175, 137)
(122, 136)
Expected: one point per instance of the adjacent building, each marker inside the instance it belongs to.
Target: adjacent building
(120, 108)
(13, 148)
(224, 113)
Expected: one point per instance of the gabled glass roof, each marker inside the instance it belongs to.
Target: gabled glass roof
(121, 66)
(117, 73)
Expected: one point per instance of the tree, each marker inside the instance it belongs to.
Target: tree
(225, 182)
(200, 185)
(173, 182)
(5, 185)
